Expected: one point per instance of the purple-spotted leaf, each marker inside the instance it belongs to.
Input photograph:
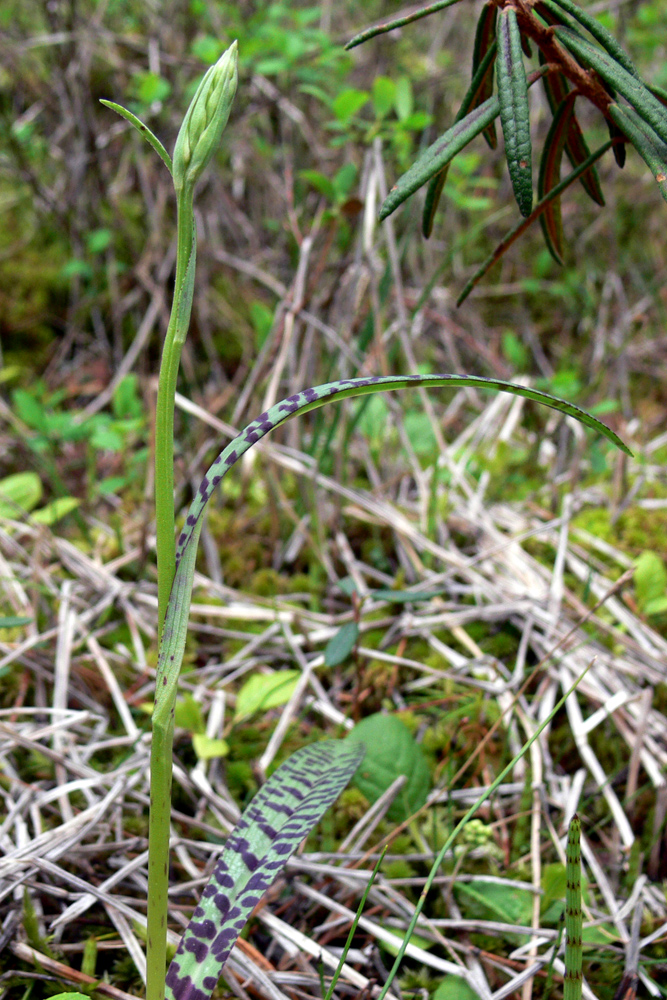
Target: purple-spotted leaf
(280, 816)
(552, 155)
(176, 619)
(514, 112)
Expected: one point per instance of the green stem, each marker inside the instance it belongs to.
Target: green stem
(164, 416)
(158, 859)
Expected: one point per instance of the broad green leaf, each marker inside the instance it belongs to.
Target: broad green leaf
(280, 816)
(320, 182)
(348, 103)
(514, 112)
(391, 750)
(143, 131)
(208, 748)
(55, 511)
(506, 903)
(454, 988)
(405, 596)
(384, 95)
(71, 996)
(14, 621)
(188, 715)
(340, 645)
(19, 493)
(552, 155)
(650, 578)
(633, 90)
(264, 691)
(650, 147)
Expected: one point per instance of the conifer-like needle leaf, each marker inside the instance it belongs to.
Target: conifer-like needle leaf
(514, 112)
(280, 816)
(649, 146)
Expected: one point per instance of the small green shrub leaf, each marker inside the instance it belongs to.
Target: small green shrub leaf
(454, 988)
(55, 511)
(650, 578)
(391, 751)
(264, 691)
(19, 493)
(208, 748)
(514, 111)
(14, 621)
(340, 645)
(280, 816)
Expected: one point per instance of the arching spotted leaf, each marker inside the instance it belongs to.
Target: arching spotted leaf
(514, 112)
(280, 816)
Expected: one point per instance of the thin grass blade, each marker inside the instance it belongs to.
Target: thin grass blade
(642, 100)
(280, 816)
(552, 155)
(398, 22)
(651, 149)
(142, 129)
(573, 914)
(514, 112)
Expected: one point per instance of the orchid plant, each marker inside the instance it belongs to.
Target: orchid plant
(296, 796)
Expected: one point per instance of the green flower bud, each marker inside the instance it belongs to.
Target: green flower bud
(199, 135)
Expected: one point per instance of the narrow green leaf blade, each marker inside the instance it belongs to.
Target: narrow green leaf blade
(280, 816)
(484, 43)
(556, 89)
(552, 155)
(601, 34)
(439, 154)
(649, 146)
(642, 100)
(469, 102)
(573, 914)
(514, 112)
(398, 22)
(142, 129)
